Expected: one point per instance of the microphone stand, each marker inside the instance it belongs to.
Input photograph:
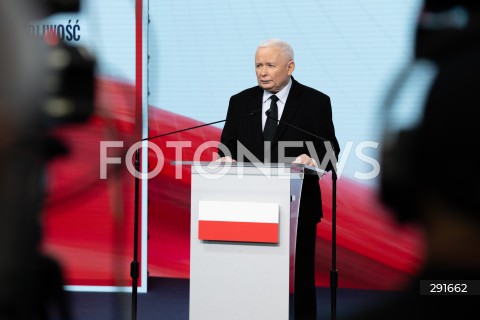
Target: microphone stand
(134, 265)
(333, 271)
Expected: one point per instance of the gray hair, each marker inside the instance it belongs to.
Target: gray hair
(283, 45)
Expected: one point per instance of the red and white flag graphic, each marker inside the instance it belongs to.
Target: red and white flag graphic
(238, 221)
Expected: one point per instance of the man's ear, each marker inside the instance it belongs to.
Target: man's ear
(291, 67)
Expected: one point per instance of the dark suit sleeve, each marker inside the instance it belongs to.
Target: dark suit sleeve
(314, 116)
(229, 137)
(326, 151)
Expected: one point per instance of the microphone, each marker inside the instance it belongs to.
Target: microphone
(267, 113)
(203, 125)
(333, 271)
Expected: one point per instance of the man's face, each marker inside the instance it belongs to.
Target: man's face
(273, 69)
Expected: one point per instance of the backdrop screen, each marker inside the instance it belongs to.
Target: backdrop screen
(192, 56)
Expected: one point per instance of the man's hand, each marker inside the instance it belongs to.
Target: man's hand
(225, 159)
(305, 159)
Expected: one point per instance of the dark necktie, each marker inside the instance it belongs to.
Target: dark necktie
(271, 124)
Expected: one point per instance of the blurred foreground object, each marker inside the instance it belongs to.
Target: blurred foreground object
(430, 169)
(41, 86)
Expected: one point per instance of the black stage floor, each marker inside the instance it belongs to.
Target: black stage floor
(167, 299)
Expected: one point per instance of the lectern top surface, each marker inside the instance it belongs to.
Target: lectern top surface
(295, 167)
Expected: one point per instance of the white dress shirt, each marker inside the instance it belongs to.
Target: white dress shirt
(282, 96)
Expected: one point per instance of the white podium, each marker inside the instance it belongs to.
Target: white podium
(243, 234)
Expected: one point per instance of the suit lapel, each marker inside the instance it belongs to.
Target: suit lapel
(290, 109)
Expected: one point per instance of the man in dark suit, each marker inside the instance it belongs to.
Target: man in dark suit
(305, 116)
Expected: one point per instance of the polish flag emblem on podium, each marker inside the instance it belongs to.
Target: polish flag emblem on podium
(238, 221)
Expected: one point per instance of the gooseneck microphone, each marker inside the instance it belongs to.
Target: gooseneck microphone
(203, 125)
(134, 266)
(267, 113)
(333, 271)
